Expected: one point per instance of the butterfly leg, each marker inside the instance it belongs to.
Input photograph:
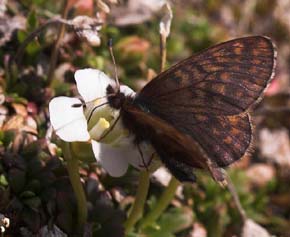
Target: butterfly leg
(149, 162)
(142, 157)
(151, 158)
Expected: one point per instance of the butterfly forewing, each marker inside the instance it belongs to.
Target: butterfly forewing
(225, 79)
(207, 96)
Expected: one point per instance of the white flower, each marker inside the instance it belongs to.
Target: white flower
(74, 122)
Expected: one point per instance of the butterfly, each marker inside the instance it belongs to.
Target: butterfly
(196, 114)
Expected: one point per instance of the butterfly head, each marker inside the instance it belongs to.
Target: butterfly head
(116, 98)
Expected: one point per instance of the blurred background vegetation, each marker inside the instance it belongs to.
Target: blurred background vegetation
(35, 192)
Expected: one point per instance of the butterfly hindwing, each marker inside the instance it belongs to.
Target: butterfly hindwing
(178, 151)
(182, 171)
(208, 96)
(227, 138)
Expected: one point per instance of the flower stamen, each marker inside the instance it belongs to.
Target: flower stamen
(101, 126)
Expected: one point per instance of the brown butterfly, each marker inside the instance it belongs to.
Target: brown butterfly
(197, 113)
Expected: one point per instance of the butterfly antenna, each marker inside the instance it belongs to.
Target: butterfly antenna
(110, 44)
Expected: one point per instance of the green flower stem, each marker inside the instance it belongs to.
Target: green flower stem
(161, 204)
(74, 176)
(138, 206)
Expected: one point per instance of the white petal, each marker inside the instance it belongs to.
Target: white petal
(127, 90)
(68, 122)
(134, 157)
(112, 159)
(92, 83)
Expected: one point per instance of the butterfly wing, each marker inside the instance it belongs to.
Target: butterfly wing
(174, 148)
(208, 95)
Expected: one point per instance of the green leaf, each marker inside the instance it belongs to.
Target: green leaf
(27, 194)
(34, 166)
(176, 219)
(31, 150)
(32, 20)
(32, 47)
(34, 203)
(7, 137)
(3, 180)
(21, 35)
(158, 233)
(96, 62)
(173, 221)
(17, 179)
(34, 185)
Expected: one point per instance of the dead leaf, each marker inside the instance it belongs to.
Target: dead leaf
(52, 148)
(198, 230)
(252, 229)
(88, 28)
(3, 115)
(53, 231)
(20, 109)
(261, 174)
(3, 7)
(14, 123)
(136, 11)
(8, 25)
(132, 45)
(118, 194)
(32, 108)
(282, 200)
(275, 146)
(165, 23)
(103, 6)
(83, 7)
(4, 223)
(30, 125)
(162, 176)
(21, 123)
(281, 12)
(61, 70)
(150, 74)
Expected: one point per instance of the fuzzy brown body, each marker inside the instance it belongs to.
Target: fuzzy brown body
(174, 149)
(197, 113)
